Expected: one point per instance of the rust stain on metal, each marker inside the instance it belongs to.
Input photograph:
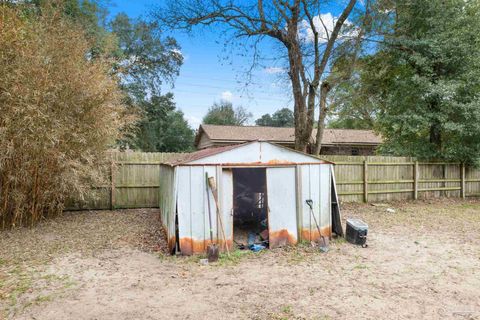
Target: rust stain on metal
(313, 235)
(171, 243)
(189, 246)
(276, 162)
(281, 238)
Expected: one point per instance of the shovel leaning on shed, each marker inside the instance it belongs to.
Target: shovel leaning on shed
(324, 245)
(213, 186)
(212, 248)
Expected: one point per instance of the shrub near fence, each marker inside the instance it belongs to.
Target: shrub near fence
(135, 178)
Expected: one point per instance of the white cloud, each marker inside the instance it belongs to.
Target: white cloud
(227, 96)
(274, 70)
(324, 24)
(193, 121)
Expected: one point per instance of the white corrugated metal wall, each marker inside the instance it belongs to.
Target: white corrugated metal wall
(167, 199)
(282, 206)
(315, 182)
(289, 185)
(192, 208)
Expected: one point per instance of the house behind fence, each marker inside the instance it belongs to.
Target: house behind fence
(334, 142)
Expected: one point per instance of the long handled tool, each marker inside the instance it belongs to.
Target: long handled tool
(323, 247)
(212, 248)
(211, 183)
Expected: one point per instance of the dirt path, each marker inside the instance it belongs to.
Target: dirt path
(413, 269)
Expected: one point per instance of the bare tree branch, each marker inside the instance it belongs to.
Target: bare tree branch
(282, 20)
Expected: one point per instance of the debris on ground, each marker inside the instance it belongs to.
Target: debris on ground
(379, 204)
(256, 247)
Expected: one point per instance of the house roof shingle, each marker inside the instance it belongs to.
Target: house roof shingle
(286, 135)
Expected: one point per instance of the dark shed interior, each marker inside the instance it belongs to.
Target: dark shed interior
(250, 206)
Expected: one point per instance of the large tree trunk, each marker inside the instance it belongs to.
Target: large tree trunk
(303, 129)
(324, 90)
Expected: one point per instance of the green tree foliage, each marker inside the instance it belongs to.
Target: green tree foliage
(280, 118)
(162, 127)
(59, 113)
(223, 113)
(90, 14)
(147, 60)
(428, 77)
(264, 121)
(351, 104)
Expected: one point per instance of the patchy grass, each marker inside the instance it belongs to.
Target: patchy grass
(235, 257)
(22, 266)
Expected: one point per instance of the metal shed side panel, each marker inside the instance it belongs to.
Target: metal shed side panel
(315, 186)
(212, 172)
(308, 229)
(282, 207)
(192, 208)
(197, 204)
(183, 210)
(167, 203)
(226, 203)
(326, 200)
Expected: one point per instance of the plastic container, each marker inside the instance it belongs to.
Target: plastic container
(357, 231)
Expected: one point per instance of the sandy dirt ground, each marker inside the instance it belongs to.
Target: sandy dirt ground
(422, 262)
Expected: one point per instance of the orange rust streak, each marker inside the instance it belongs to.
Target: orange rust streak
(189, 246)
(171, 244)
(274, 161)
(281, 238)
(313, 235)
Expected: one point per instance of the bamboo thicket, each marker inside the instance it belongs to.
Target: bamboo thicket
(59, 111)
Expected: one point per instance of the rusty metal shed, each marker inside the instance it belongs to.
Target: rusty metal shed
(285, 179)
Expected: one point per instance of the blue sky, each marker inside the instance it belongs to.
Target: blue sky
(207, 75)
(210, 73)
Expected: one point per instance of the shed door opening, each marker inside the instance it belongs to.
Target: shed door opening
(250, 218)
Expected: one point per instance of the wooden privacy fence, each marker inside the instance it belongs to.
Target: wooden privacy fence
(134, 179)
(371, 179)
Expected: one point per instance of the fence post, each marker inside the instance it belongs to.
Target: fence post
(462, 186)
(415, 180)
(365, 181)
(112, 185)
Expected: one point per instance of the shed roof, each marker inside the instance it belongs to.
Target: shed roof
(287, 155)
(286, 135)
(196, 155)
